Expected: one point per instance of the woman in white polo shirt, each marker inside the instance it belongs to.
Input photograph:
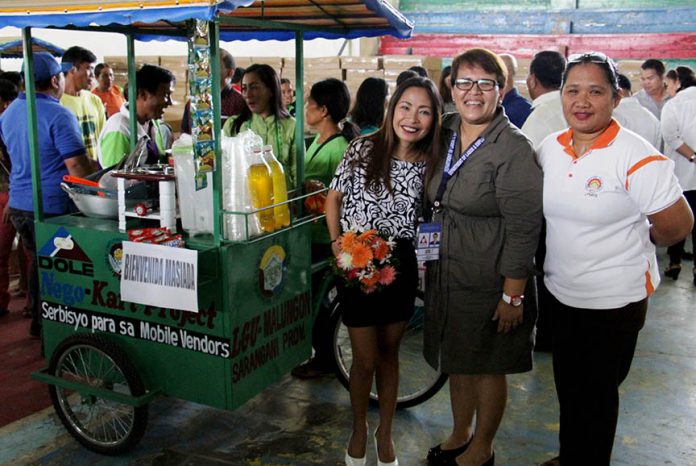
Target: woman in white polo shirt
(609, 197)
(679, 133)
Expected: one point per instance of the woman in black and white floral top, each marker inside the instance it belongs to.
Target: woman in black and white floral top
(379, 185)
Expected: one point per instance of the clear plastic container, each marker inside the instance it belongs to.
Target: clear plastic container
(195, 207)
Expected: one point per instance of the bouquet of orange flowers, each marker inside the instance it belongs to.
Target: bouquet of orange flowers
(365, 260)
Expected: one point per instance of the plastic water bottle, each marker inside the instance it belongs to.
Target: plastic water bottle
(261, 190)
(281, 213)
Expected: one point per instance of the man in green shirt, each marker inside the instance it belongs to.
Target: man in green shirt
(154, 88)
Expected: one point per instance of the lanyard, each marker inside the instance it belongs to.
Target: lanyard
(450, 170)
(277, 135)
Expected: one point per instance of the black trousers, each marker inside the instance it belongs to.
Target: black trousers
(675, 251)
(23, 222)
(592, 354)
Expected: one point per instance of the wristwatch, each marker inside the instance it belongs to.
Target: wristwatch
(693, 157)
(515, 300)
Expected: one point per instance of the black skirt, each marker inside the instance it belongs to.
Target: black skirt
(393, 303)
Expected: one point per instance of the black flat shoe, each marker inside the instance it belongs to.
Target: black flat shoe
(673, 271)
(439, 457)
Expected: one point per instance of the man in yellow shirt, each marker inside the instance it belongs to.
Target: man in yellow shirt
(87, 107)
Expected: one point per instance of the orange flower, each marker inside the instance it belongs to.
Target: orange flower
(347, 241)
(366, 236)
(370, 280)
(362, 255)
(381, 249)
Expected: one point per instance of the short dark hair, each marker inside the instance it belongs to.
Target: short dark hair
(227, 60)
(624, 82)
(77, 55)
(422, 72)
(150, 77)
(404, 75)
(98, 69)
(8, 90)
(484, 59)
(285, 81)
(238, 74)
(15, 77)
(654, 64)
(686, 77)
(547, 67)
(672, 74)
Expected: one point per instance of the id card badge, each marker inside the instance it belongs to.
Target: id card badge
(428, 240)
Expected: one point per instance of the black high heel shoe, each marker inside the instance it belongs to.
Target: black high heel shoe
(439, 457)
(673, 271)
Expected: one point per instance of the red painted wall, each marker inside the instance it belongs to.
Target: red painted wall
(617, 46)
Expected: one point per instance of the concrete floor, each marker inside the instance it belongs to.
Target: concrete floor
(307, 422)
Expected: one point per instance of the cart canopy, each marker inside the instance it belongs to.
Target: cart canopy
(11, 47)
(239, 19)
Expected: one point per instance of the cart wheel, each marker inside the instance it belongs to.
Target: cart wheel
(418, 382)
(101, 425)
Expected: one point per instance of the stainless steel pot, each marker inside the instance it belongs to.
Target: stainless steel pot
(93, 205)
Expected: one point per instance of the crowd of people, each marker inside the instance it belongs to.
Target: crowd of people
(506, 183)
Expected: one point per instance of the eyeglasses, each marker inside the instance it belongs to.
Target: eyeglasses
(589, 57)
(466, 84)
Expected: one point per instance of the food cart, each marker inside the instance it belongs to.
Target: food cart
(109, 356)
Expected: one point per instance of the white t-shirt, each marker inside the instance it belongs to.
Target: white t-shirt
(599, 254)
(679, 127)
(632, 115)
(546, 117)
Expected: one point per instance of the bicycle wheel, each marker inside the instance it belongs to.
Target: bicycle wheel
(101, 425)
(418, 382)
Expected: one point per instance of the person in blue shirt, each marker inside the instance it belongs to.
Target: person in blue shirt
(517, 108)
(61, 152)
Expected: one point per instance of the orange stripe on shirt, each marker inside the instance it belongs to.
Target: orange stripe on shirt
(648, 283)
(643, 162)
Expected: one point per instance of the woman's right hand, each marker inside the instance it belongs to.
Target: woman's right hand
(335, 250)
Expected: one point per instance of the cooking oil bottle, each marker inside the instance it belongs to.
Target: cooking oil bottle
(261, 189)
(281, 213)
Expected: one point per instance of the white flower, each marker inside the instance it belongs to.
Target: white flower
(345, 261)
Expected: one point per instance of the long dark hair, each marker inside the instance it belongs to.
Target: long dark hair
(269, 78)
(369, 103)
(386, 142)
(333, 94)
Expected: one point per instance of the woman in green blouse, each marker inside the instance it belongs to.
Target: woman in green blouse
(266, 116)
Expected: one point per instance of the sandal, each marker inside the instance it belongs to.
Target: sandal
(673, 271)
